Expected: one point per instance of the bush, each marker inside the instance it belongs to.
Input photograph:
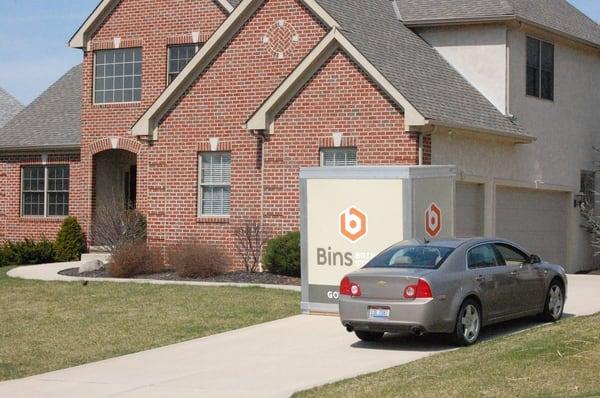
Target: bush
(198, 260)
(135, 259)
(27, 252)
(282, 256)
(70, 242)
(116, 226)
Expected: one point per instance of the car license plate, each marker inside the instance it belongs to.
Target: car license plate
(379, 313)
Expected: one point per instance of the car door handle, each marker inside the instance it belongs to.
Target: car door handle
(513, 273)
(479, 278)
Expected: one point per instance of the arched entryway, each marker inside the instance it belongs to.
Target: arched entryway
(114, 186)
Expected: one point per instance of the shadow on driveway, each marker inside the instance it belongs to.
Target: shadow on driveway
(442, 342)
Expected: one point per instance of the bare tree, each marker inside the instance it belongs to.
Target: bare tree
(116, 225)
(249, 244)
(589, 206)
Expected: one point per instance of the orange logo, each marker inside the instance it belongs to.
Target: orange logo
(433, 220)
(353, 224)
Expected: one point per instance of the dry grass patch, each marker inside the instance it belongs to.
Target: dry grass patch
(559, 360)
(47, 326)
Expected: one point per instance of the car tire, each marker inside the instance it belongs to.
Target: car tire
(555, 302)
(368, 336)
(468, 323)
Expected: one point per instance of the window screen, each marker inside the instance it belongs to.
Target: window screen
(215, 183)
(179, 56)
(118, 76)
(45, 191)
(540, 69)
(338, 157)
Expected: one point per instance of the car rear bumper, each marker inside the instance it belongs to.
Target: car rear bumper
(418, 316)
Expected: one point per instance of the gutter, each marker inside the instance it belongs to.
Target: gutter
(44, 148)
(517, 138)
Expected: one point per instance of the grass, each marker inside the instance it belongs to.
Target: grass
(560, 360)
(46, 326)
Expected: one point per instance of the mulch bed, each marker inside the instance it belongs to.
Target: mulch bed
(262, 278)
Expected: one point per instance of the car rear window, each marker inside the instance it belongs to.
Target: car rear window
(429, 257)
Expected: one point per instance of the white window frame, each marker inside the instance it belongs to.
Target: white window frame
(141, 78)
(46, 203)
(202, 185)
(169, 47)
(338, 149)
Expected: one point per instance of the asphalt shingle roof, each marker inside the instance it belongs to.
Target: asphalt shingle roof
(9, 107)
(417, 70)
(53, 119)
(557, 15)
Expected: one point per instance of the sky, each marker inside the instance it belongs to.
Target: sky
(34, 36)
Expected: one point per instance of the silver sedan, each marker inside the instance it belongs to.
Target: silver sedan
(449, 286)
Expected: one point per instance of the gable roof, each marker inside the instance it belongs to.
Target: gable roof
(558, 16)
(103, 10)
(430, 85)
(417, 70)
(51, 121)
(9, 107)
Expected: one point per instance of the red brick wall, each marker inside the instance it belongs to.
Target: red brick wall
(218, 105)
(152, 25)
(12, 225)
(338, 99)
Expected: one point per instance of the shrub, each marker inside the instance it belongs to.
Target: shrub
(135, 259)
(249, 244)
(198, 260)
(70, 242)
(116, 226)
(282, 256)
(27, 252)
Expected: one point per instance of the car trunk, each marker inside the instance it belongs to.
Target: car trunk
(386, 283)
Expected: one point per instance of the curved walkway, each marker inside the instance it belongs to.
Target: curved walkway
(50, 272)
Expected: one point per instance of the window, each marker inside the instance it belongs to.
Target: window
(338, 157)
(45, 191)
(588, 188)
(118, 76)
(431, 257)
(540, 69)
(511, 255)
(179, 56)
(215, 183)
(482, 257)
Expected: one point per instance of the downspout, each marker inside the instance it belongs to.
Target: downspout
(507, 89)
(261, 137)
(420, 149)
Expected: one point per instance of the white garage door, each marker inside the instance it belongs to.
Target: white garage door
(535, 219)
(469, 210)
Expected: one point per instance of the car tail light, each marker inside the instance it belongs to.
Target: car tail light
(349, 288)
(420, 290)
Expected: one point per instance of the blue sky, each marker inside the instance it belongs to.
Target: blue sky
(34, 33)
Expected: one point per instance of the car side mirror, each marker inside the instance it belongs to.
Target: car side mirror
(534, 259)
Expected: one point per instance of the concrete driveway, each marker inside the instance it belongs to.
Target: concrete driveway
(270, 360)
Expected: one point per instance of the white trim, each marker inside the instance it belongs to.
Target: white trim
(147, 124)
(80, 39)
(262, 119)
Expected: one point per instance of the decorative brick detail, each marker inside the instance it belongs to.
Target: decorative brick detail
(110, 44)
(213, 220)
(327, 142)
(187, 38)
(222, 146)
(106, 144)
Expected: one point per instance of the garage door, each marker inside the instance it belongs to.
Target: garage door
(535, 219)
(469, 210)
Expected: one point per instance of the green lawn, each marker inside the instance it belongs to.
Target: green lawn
(46, 326)
(552, 361)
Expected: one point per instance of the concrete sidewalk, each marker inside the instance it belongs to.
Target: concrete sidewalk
(270, 360)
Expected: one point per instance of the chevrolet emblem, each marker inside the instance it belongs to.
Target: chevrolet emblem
(382, 283)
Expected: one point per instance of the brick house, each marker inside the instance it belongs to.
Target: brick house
(201, 113)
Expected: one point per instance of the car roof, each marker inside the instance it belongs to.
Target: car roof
(449, 242)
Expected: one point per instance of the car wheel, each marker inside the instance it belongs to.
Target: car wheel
(368, 336)
(555, 302)
(468, 323)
